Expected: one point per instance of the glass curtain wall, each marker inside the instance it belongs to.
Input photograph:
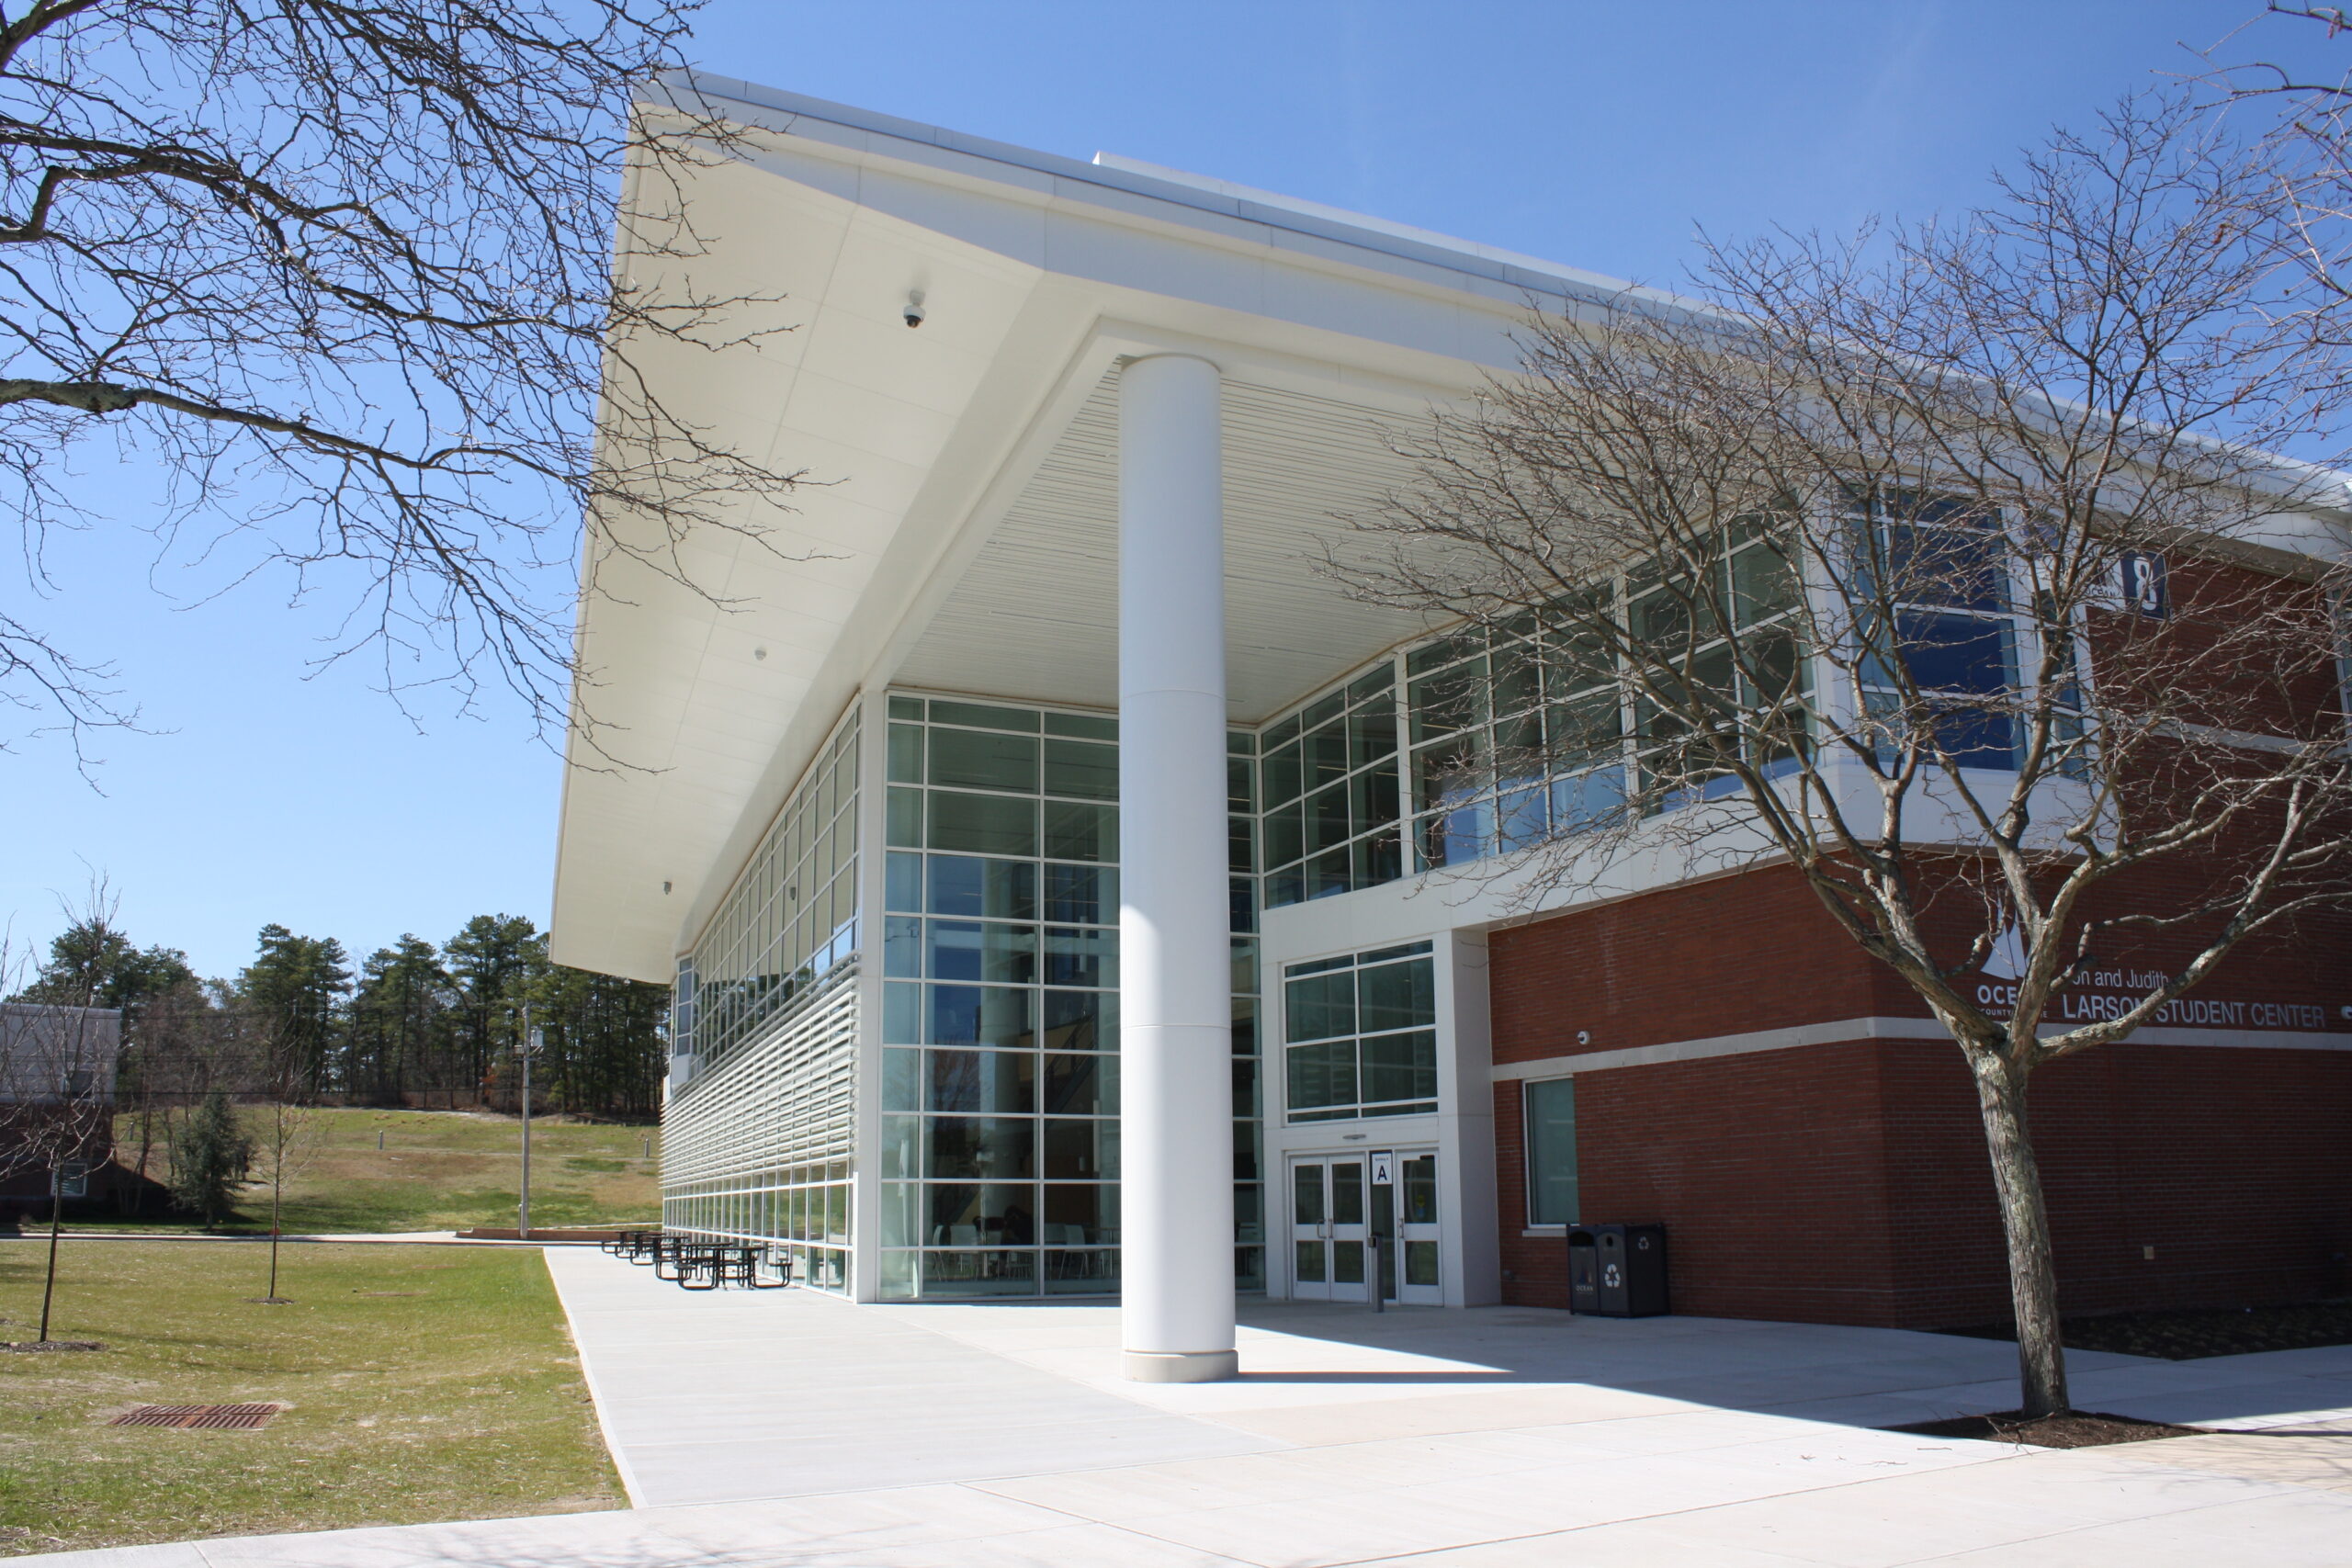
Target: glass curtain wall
(1489, 742)
(1000, 1025)
(1249, 1099)
(758, 1144)
(791, 916)
(1328, 776)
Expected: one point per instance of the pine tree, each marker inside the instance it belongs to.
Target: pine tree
(93, 963)
(492, 961)
(209, 1160)
(607, 1041)
(400, 1024)
(291, 997)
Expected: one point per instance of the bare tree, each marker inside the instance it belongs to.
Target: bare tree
(347, 276)
(1944, 567)
(287, 1137)
(183, 1039)
(57, 1072)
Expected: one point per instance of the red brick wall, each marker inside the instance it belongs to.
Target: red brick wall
(1759, 1165)
(2234, 1163)
(1848, 1182)
(1727, 956)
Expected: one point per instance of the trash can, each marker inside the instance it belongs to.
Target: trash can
(1617, 1270)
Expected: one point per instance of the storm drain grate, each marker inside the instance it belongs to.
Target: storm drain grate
(242, 1416)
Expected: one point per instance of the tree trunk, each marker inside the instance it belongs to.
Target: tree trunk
(2025, 1221)
(276, 1187)
(138, 1203)
(56, 1215)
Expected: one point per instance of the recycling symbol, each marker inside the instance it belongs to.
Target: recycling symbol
(1611, 1279)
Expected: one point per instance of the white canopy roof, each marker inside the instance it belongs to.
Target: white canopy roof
(957, 532)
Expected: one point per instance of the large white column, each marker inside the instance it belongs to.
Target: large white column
(1175, 1012)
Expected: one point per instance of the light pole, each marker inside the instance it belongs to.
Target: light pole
(530, 1048)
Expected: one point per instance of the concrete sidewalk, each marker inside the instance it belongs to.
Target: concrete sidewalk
(729, 1395)
(785, 1427)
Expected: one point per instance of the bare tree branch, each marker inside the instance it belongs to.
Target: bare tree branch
(347, 273)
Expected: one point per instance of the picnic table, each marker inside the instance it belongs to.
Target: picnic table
(700, 1265)
(704, 1263)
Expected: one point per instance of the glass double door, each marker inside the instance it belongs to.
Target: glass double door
(1350, 1229)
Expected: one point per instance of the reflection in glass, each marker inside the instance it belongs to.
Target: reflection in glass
(1347, 1194)
(1081, 1085)
(1080, 1215)
(902, 882)
(973, 1081)
(1081, 895)
(961, 759)
(1080, 768)
(1420, 1190)
(971, 949)
(1002, 1147)
(992, 889)
(905, 761)
(902, 946)
(1306, 1196)
(1081, 1273)
(1321, 1005)
(979, 1015)
(1082, 1021)
(980, 824)
(1078, 1150)
(975, 1214)
(902, 1079)
(1081, 956)
(947, 1273)
(1076, 831)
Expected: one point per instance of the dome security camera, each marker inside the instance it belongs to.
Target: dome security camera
(914, 311)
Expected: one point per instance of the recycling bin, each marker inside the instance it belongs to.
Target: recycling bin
(1617, 1270)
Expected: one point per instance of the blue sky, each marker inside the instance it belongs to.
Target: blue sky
(1605, 136)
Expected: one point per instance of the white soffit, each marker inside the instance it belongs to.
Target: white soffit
(693, 697)
(1035, 614)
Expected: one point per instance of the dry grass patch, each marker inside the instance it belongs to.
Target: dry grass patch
(421, 1383)
(443, 1170)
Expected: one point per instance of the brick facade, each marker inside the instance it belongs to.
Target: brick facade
(1847, 1181)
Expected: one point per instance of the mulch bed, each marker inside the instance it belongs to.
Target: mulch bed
(2187, 1334)
(2073, 1429)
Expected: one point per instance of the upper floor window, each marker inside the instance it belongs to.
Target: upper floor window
(1328, 781)
(1935, 617)
(1360, 1034)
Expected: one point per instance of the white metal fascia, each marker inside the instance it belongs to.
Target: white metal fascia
(1131, 187)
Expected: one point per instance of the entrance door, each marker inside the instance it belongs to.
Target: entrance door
(1327, 1232)
(1338, 1207)
(1417, 1250)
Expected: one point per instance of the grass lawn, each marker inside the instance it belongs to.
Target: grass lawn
(424, 1384)
(439, 1170)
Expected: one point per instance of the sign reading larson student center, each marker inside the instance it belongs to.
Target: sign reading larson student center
(1064, 880)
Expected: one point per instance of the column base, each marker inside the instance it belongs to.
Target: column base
(1182, 1366)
